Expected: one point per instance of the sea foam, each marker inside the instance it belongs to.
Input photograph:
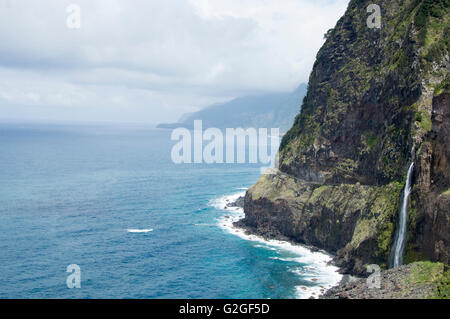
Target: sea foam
(314, 266)
(139, 230)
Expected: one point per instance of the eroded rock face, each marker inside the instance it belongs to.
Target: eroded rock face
(353, 221)
(356, 116)
(429, 235)
(370, 110)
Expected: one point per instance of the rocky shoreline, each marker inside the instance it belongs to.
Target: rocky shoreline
(238, 203)
(366, 117)
(375, 105)
(420, 280)
(268, 233)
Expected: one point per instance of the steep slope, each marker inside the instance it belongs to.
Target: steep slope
(275, 110)
(377, 100)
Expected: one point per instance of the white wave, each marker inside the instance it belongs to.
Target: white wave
(314, 266)
(139, 230)
(306, 292)
(265, 247)
(221, 202)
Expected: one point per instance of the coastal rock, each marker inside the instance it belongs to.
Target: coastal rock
(338, 218)
(237, 203)
(377, 100)
(419, 280)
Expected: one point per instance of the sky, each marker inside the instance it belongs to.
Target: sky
(151, 61)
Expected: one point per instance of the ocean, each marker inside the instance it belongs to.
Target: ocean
(109, 199)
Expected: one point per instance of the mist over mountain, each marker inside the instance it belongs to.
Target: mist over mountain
(272, 110)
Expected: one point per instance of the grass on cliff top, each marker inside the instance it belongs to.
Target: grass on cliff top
(424, 120)
(444, 87)
(429, 273)
(432, 20)
(428, 9)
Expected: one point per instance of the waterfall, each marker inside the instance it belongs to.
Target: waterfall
(400, 239)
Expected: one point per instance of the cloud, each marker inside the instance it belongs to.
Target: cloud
(153, 60)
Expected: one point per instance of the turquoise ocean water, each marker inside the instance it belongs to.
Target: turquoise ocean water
(109, 199)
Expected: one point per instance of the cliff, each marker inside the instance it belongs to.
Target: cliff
(378, 99)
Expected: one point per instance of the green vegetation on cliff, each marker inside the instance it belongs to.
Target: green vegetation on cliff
(372, 78)
(358, 218)
(429, 273)
(370, 110)
(420, 280)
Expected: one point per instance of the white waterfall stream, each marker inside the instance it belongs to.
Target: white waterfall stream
(399, 244)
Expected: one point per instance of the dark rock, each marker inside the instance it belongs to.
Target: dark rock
(238, 203)
(370, 101)
(419, 280)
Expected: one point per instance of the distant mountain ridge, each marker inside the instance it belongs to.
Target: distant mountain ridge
(272, 110)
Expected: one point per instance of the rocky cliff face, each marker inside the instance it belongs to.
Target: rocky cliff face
(377, 99)
(429, 223)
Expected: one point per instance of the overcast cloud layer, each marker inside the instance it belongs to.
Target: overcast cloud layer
(150, 61)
